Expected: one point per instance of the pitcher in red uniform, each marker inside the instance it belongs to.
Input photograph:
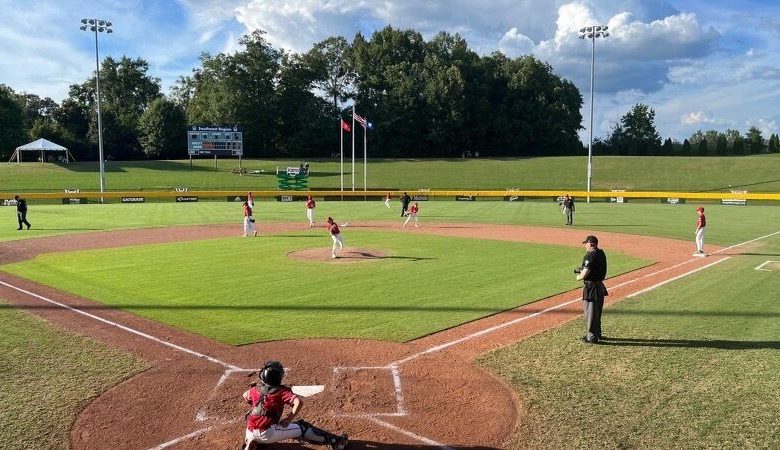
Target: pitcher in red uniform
(335, 234)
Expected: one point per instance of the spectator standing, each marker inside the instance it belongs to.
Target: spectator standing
(592, 273)
(21, 212)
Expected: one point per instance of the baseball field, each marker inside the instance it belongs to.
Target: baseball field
(139, 325)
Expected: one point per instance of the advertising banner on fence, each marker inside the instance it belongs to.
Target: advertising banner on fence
(133, 199)
(185, 199)
(734, 201)
(465, 198)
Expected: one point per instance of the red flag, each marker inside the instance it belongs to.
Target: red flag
(345, 126)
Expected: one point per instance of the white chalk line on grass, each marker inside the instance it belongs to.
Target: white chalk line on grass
(126, 328)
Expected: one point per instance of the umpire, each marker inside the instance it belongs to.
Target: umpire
(592, 272)
(405, 199)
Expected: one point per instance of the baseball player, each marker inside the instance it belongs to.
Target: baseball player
(251, 200)
(412, 212)
(701, 224)
(265, 424)
(310, 205)
(335, 234)
(249, 221)
(387, 199)
(568, 209)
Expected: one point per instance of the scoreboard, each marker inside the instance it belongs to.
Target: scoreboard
(214, 141)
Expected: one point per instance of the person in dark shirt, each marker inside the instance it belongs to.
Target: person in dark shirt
(405, 199)
(592, 273)
(21, 212)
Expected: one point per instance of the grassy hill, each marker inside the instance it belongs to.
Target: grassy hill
(754, 173)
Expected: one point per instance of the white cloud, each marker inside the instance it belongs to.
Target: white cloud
(514, 43)
(696, 118)
(767, 126)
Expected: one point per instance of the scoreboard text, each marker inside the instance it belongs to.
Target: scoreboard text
(213, 140)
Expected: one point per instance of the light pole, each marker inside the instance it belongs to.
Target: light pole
(96, 26)
(592, 33)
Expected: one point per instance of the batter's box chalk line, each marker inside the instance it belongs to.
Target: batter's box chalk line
(773, 266)
(400, 410)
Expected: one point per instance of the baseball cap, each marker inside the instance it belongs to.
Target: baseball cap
(591, 239)
(700, 208)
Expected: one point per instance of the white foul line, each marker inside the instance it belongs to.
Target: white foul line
(761, 266)
(126, 328)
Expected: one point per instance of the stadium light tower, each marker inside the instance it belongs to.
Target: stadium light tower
(98, 26)
(592, 32)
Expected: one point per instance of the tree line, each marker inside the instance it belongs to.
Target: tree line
(433, 98)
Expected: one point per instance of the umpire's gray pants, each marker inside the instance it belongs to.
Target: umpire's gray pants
(592, 311)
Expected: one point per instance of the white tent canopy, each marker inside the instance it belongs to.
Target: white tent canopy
(41, 145)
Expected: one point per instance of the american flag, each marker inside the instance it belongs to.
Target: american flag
(359, 119)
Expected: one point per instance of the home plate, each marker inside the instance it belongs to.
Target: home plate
(308, 391)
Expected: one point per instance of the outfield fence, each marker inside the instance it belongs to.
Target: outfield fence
(186, 195)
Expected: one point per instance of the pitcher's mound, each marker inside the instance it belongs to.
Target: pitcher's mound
(348, 255)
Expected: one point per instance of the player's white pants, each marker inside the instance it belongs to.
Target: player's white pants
(387, 202)
(249, 226)
(337, 241)
(409, 216)
(273, 434)
(310, 216)
(700, 239)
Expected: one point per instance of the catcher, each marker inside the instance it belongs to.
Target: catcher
(265, 424)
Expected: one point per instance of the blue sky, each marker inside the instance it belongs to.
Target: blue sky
(699, 64)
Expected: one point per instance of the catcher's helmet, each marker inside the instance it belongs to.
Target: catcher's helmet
(271, 374)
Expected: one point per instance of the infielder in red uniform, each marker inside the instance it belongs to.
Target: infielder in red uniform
(310, 205)
(701, 224)
(249, 220)
(412, 212)
(335, 234)
(387, 199)
(265, 424)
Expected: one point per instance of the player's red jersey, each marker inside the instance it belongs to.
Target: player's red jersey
(413, 209)
(702, 222)
(388, 197)
(247, 210)
(272, 403)
(334, 228)
(310, 203)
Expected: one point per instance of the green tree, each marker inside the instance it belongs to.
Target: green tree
(12, 130)
(702, 148)
(774, 144)
(755, 142)
(330, 61)
(686, 147)
(739, 147)
(636, 132)
(721, 147)
(162, 130)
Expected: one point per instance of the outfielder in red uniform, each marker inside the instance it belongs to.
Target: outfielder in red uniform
(412, 212)
(335, 234)
(310, 205)
(249, 220)
(387, 199)
(701, 224)
(265, 424)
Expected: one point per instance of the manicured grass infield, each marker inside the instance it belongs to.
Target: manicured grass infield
(239, 290)
(693, 364)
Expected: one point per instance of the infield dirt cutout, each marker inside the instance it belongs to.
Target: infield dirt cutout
(411, 395)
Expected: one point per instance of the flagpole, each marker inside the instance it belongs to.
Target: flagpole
(341, 152)
(365, 153)
(353, 146)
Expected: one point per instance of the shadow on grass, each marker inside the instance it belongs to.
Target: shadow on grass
(688, 343)
(122, 166)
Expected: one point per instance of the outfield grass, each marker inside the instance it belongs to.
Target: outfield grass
(236, 290)
(754, 173)
(693, 364)
(46, 377)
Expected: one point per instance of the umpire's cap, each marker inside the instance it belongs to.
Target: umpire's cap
(592, 239)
